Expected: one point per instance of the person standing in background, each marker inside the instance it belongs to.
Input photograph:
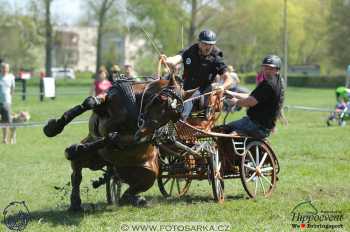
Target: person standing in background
(128, 71)
(114, 73)
(7, 89)
(101, 83)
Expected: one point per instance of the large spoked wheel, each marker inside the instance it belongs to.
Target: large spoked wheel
(169, 182)
(113, 189)
(258, 170)
(217, 182)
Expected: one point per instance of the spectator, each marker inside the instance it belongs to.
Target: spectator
(235, 87)
(260, 77)
(114, 74)
(7, 87)
(234, 76)
(128, 71)
(101, 83)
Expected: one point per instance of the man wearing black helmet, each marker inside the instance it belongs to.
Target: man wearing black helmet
(202, 62)
(264, 103)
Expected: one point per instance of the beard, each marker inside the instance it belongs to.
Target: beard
(205, 51)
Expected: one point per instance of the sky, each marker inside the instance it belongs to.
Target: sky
(63, 11)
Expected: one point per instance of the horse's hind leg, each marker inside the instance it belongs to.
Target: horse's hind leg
(56, 126)
(140, 179)
(76, 177)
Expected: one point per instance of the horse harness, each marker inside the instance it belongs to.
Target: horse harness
(124, 87)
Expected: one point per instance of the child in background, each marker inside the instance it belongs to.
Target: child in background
(101, 83)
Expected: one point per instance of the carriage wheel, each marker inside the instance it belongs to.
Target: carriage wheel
(216, 179)
(258, 170)
(170, 185)
(113, 190)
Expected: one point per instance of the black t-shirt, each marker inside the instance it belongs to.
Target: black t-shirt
(265, 112)
(201, 71)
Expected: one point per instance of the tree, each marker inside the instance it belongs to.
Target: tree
(201, 12)
(339, 33)
(48, 38)
(100, 10)
(20, 44)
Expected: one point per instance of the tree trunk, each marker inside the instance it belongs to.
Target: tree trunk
(48, 46)
(99, 46)
(192, 30)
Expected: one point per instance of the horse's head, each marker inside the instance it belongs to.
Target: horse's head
(162, 106)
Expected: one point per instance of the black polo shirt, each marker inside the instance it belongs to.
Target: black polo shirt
(201, 71)
(265, 112)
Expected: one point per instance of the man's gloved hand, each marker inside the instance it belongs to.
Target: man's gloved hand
(217, 87)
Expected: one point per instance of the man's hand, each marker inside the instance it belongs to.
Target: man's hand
(171, 61)
(163, 58)
(233, 101)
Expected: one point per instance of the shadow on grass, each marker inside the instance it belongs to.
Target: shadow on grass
(61, 215)
(188, 199)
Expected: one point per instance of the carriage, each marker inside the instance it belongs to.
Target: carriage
(196, 150)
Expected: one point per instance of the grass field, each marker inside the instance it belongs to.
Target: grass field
(315, 163)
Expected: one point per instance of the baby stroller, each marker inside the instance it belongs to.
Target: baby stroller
(340, 115)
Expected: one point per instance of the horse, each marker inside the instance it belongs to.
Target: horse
(120, 134)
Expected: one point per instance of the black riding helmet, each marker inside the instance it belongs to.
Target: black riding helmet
(207, 36)
(272, 61)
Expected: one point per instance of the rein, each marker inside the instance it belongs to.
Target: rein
(204, 94)
(140, 121)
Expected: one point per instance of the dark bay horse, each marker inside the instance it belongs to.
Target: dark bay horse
(120, 131)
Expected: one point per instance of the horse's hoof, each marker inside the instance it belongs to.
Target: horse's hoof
(72, 152)
(52, 128)
(134, 200)
(75, 209)
(141, 202)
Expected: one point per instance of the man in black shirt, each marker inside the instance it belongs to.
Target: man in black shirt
(202, 62)
(264, 103)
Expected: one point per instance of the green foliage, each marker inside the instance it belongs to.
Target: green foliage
(162, 19)
(339, 33)
(20, 43)
(248, 30)
(304, 81)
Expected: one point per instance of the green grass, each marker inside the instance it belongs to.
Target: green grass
(314, 159)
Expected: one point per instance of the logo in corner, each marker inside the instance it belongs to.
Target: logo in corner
(306, 216)
(16, 215)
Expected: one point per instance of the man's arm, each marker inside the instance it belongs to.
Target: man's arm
(237, 95)
(250, 101)
(228, 81)
(172, 61)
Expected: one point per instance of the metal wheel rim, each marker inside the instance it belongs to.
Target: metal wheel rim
(216, 179)
(182, 185)
(258, 170)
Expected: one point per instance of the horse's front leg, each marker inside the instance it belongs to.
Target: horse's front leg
(76, 151)
(76, 177)
(56, 126)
